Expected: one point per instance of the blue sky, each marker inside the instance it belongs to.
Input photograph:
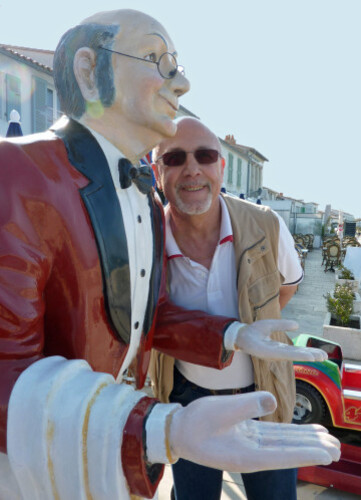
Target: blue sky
(282, 76)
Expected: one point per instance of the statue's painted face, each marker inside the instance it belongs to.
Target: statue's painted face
(143, 97)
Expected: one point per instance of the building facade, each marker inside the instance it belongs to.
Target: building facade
(244, 169)
(26, 85)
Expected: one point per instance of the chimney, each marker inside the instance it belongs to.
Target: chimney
(230, 139)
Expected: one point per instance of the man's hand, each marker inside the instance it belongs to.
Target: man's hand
(254, 339)
(215, 431)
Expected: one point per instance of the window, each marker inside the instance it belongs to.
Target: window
(256, 175)
(13, 95)
(2, 117)
(58, 108)
(230, 169)
(239, 172)
(49, 108)
(42, 105)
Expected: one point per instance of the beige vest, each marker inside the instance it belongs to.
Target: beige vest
(255, 239)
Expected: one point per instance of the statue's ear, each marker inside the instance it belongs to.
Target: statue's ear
(84, 71)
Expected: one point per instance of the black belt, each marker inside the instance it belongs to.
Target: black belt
(212, 392)
(225, 392)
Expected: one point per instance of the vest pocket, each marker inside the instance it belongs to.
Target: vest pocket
(262, 294)
(261, 311)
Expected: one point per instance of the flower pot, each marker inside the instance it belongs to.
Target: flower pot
(348, 338)
(354, 283)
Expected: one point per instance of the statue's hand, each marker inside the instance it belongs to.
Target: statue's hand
(254, 339)
(215, 431)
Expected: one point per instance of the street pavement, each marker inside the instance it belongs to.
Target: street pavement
(308, 307)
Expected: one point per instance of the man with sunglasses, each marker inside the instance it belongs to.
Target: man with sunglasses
(225, 256)
(82, 286)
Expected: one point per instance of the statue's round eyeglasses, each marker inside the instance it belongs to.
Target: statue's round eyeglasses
(167, 63)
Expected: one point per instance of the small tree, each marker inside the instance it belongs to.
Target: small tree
(345, 273)
(341, 304)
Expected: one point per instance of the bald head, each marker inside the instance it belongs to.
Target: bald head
(128, 22)
(117, 73)
(187, 127)
(98, 30)
(103, 29)
(125, 17)
(192, 182)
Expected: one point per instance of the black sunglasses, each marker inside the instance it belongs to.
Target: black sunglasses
(178, 158)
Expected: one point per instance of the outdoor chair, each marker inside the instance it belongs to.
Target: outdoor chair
(326, 243)
(310, 242)
(351, 242)
(301, 255)
(332, 257)
(306, 239)
(300, 239)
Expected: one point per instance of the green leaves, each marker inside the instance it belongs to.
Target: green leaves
(345, 273)
(340, 305)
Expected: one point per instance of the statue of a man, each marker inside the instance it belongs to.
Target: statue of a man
(82, 290)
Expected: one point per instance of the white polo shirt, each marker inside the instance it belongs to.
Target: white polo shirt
(214, 291)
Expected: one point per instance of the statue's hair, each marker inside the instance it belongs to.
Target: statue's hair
(90, 35)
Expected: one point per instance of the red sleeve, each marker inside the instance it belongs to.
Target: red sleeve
(23, 271)
(192, 335)
(143, 478)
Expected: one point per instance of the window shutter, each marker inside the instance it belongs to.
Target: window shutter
(38, 104)
(239, 172)
(13, 95)
(2, 117)
(230, 169)
(58, 107)
(49, 107)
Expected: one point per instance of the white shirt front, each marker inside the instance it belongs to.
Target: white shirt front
(138, 229)
(214, 291)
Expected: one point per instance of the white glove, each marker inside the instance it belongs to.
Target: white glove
(254, 339)
(215, 431)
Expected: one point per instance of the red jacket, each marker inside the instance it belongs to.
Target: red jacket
(62, 258)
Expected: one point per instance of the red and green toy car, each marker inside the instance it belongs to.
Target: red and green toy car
(330, 393)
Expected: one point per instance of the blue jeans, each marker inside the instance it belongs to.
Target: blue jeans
(196, 482)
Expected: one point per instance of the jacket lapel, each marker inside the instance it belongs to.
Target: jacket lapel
(101, 202)
(157, 221)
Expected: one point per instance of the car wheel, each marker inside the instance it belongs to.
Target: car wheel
(310, 407)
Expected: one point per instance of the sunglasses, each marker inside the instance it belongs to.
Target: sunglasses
(178, 158)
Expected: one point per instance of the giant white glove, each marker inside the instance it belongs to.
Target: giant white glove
(254, 339)
(215, 431)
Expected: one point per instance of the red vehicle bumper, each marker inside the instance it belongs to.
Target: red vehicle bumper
(344, 475)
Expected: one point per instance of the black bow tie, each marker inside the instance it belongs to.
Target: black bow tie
(141, 176)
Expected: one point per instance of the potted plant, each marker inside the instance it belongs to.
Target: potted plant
(345, 275)
(341, 325)
(343, 291)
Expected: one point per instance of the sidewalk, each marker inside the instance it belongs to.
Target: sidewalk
(308, 307)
